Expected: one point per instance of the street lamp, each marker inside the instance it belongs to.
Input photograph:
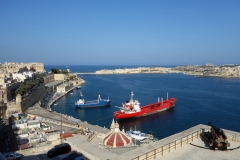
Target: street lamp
(61, 125)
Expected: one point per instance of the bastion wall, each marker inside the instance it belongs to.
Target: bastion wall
(59, 77)
(33, 98)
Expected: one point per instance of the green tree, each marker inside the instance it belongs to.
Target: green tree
(55, 71)
(64, 72)
(72, 77)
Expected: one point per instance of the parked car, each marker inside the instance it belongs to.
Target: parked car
(74, 156)
(13, 156)
(59, 149)
(2, 157)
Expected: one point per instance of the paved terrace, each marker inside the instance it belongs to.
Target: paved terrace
(183, 145)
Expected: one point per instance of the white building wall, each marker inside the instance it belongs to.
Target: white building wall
(33, 126)
(19, 76)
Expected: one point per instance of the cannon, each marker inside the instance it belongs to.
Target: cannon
(216, 137)
(218, 132)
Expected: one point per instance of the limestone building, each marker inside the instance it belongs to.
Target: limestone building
(12, 67)
(14, 107)
(64, 87)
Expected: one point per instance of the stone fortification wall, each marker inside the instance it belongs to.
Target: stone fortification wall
(59, 77)
(33, 98)
(13, 107)
(7, 91)
(21, 67)
(49, 78)
(11, 89)
(39, 67)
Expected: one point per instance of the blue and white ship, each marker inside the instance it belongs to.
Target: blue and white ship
(81, 103)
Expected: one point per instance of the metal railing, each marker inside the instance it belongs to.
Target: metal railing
(91, 136)
(168, 147)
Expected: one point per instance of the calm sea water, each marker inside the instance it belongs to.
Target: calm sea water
(199, 100)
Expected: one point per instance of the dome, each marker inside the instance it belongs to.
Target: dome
(116, 138)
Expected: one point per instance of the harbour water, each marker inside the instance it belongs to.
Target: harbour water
(199, 100)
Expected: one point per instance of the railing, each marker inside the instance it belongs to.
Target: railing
(168, 147)
(91, 136)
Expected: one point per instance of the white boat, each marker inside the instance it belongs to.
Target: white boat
(139, 135)
(79, 87)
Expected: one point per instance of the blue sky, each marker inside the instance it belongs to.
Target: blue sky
(124, 32)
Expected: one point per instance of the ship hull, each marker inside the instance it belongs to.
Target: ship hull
(93, 104)
(147, 110)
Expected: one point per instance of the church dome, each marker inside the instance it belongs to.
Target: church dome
(116, 138)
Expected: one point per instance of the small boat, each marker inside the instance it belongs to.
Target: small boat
(78, 87)
(139, 135)
(132, 109)
(200, 76)
(81, 103)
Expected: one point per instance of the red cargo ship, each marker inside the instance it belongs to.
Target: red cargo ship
(132, 109)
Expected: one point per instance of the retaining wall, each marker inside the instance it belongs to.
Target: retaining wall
(33, 98)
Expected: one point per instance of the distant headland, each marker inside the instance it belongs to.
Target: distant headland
(229, 70)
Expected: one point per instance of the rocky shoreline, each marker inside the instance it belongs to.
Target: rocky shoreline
(198, 70)
(139, 70)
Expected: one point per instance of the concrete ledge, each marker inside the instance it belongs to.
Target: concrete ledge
(172, 143)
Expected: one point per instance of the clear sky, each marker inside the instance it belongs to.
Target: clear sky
(120, 32)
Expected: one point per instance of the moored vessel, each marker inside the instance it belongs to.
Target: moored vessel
(139, 135)
(79, 87)
(81, 103)
(132, 109)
